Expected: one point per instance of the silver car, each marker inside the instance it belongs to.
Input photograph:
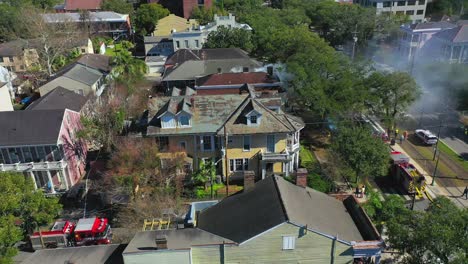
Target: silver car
(426, 136)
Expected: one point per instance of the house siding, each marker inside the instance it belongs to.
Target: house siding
(161, 257)
(267, 248)
(72, 146)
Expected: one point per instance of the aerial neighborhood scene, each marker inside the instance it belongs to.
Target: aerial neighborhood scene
(233, 131)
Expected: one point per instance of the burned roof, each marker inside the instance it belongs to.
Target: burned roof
(30, 127)
(274, 201)
(210, 113)
(59, 98)
(456, 35)
(183, 55)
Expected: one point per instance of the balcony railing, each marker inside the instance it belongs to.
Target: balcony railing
(35, 166)
(293, 147)
(275, 156)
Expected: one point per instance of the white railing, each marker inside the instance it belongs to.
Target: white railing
(275, 156)
(293, 147)
(46, 165)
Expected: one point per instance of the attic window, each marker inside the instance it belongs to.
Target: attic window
(245, 69)
(253, 119)
(289, 242)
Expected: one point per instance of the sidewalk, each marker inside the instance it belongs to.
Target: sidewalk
(453, 193)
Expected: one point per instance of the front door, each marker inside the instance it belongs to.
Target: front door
(269, 169)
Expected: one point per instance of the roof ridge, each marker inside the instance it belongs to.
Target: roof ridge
(274, 114)
(233, 113)
(283, 206)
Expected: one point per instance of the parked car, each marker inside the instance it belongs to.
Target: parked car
(426, 136)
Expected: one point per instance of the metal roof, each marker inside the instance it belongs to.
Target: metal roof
(456, 35)
(85, 224)
(107, 16)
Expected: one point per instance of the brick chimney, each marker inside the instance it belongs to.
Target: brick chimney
(249, 180)
(161, 241)
(301, 177)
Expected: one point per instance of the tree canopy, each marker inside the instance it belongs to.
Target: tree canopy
(365, 154)
(205, 15)
(225, 37)
(392, 94)
(119, 6)
(437, 235)
(147, 16)
(22, 207)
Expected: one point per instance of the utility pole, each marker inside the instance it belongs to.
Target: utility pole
(355, 39)
(438, 139)
(435, 170)
(226, 161)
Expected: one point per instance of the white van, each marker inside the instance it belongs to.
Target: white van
(426, 136)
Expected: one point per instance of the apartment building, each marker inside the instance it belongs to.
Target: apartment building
(415, 9)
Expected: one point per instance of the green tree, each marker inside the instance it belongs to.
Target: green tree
(21, 203)
(127, 69)
(387, 25)
(438, 235)
(205, 174)
(206, 15)
(365, 154)
(119, 6)
(229, 38)
(336, 22)
(391, 94)
(147, 16)
(11, 26)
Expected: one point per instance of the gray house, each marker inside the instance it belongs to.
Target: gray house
(272, 222)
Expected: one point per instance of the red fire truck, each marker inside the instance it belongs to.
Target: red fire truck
(405, 173)
(88, 231)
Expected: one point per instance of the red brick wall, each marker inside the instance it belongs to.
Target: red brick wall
(188, 6)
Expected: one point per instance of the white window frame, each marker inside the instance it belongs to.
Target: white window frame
(179, 119)
(233, 163)
(250, 143)
(167, 123)
(289, 242)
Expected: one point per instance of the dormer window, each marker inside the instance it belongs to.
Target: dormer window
(184, 120)
(253, 119)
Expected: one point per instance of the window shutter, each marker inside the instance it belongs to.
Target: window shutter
(289, 242)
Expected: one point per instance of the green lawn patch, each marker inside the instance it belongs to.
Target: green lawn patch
(111, 51)
(308, 159)
(453, 155)
(443, 169)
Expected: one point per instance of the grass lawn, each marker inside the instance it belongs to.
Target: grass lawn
(443, 169)
(454, 156)
(111, 51)
(308, 159)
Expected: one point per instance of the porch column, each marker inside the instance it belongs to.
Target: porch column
(64, 177)
(31, 173)
(297, 160)
(286, 168)
(263, 170)
(49, 176)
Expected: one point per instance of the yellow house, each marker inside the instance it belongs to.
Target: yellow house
(173, 23)
(260, 136)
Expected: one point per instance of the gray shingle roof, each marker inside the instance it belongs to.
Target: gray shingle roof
(101, 254)
(432, 25)
(83, 74)
(183, 55)
(64, 82)
(274, 201)
(456, 35)
(211, 112)
(13, 48)
(96, 61)
(176, 239)
(59, 98)
(30, 127)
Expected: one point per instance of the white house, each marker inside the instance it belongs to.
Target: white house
(196, 37)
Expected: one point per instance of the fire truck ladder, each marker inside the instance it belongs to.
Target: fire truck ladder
(156, 224)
